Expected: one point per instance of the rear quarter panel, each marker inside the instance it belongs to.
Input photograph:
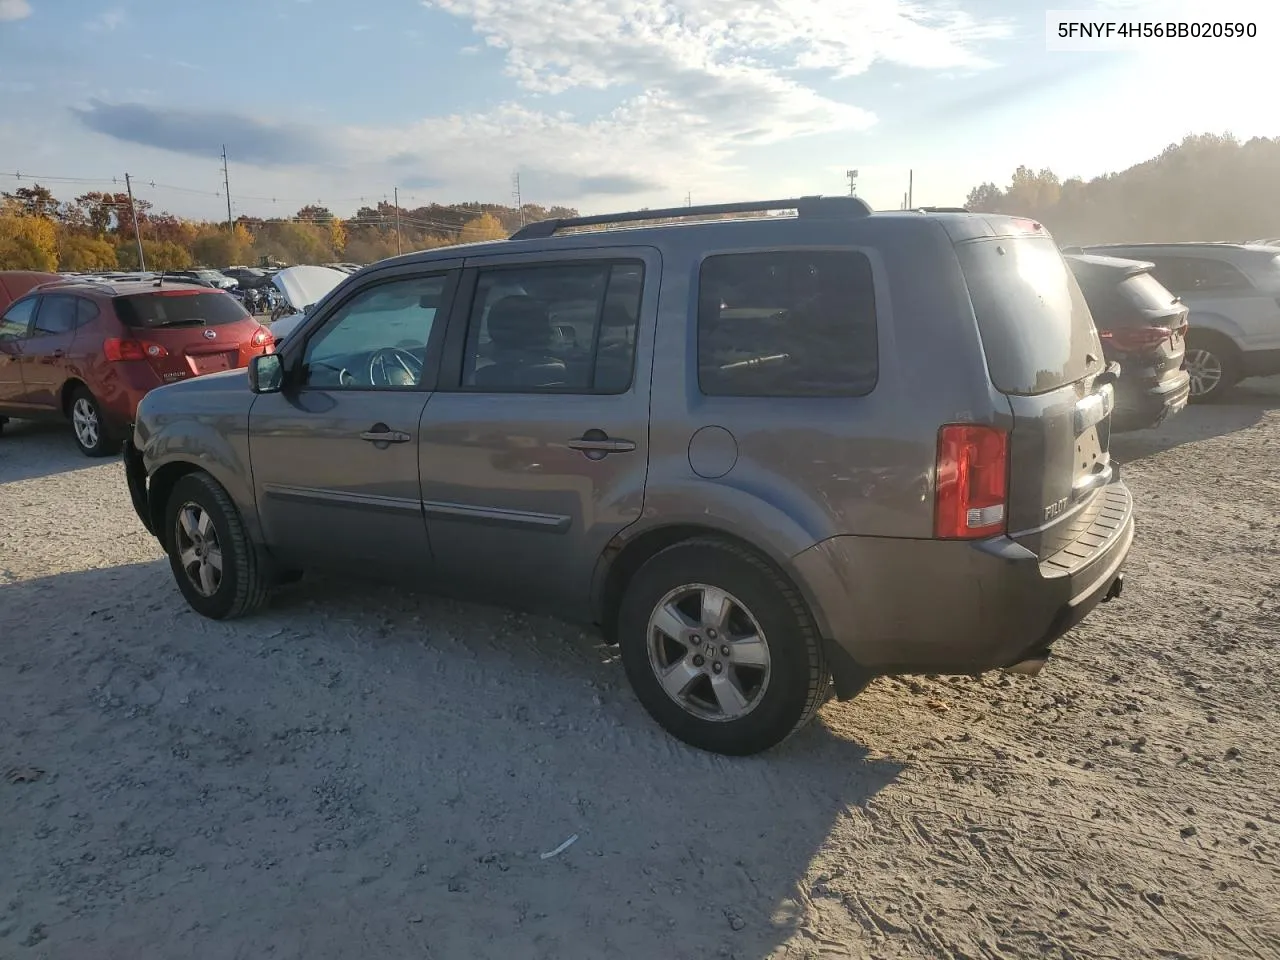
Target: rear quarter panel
(808, 469)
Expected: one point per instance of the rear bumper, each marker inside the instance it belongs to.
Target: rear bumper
(120, 394)
(1142, 404)
(892, 606)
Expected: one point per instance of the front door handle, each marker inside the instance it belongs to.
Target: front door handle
(59, 353)
(597, 444)
(381, 435)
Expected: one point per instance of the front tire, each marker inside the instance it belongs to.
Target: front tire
(89, 425)
(720, 648)
(217, 567)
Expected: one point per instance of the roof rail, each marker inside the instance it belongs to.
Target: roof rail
(807, 208)
(942, 210)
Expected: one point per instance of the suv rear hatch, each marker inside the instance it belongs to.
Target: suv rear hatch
(189, 331)
(1141, 324)
(1044, 355)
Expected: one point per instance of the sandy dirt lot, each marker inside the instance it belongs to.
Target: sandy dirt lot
(362, 773)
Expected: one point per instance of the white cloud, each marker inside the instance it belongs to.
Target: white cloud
(695, 86)
(107, 21)
(14, 9)
(697, 80)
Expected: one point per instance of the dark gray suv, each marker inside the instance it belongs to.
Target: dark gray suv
(763, 452)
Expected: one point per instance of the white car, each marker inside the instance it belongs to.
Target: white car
(302, 288)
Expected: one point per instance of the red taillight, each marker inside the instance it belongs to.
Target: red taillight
(972, 482)
(262, 338)
(116, 350)
(1132, 339)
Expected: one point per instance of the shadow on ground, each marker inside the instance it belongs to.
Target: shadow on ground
(1243, 407)
(358, 769)
(30, 450)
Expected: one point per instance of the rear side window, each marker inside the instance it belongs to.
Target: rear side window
(1036, 328)
(562, 328)
(57, 315)
(794, 323)
(1199, 275)
(179, 308)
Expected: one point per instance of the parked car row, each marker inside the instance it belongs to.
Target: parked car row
(1232, 294)
(762, 491)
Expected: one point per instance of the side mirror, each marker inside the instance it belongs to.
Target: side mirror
(266, 373)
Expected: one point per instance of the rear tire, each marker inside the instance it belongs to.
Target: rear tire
(89, 426)
(736, 683)
(217, 567)
(1214, 365)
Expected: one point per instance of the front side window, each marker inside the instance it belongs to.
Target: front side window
(378, 339)
(795, 323)
(564, 328)
(16, 320)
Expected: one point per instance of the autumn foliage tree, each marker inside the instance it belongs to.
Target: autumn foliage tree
(1208, 187)
(95, 231)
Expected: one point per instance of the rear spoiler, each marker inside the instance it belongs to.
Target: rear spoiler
(1116, 267)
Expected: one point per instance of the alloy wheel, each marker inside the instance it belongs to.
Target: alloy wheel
(199, 549)
(84, 419)
(708, 652)
(1205, 370)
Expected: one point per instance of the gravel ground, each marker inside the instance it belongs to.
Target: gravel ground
(361, 773)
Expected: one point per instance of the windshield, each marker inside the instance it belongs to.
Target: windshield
(176, 308)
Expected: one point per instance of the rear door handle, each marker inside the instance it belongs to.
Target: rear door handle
(59, 353)
(596, 444)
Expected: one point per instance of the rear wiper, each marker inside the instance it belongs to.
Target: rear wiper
(196, 322)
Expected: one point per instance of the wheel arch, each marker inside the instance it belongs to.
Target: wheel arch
(68, 390)
(161, 485)
(625, 555)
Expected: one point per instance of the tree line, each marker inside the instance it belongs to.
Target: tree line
(1208, 187)
(95, 231)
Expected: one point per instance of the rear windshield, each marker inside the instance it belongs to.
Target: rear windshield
(1146, 292)
(1036, 329)
(179, 308)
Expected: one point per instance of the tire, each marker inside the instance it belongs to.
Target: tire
(3, 421)
(1214, 365)
(89, 426)
(776, 700)
(243, 582)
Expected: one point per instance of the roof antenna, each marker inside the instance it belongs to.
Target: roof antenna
(160, 279)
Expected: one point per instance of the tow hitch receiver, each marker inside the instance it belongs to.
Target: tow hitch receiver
(1116, 588)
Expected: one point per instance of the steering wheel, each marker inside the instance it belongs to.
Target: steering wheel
(393, 367)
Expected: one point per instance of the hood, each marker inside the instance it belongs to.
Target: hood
(304, 286)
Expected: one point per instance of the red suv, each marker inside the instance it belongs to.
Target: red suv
(89, 351)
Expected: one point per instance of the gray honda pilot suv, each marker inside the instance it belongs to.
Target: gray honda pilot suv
(769, 448)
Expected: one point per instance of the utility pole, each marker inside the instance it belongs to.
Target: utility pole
(688, 199)
(226, 182)
(911, 185)
(515, 195)
(142, 260)
(853, 182)
(396, 195)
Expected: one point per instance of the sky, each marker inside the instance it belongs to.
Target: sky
(598, 104)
